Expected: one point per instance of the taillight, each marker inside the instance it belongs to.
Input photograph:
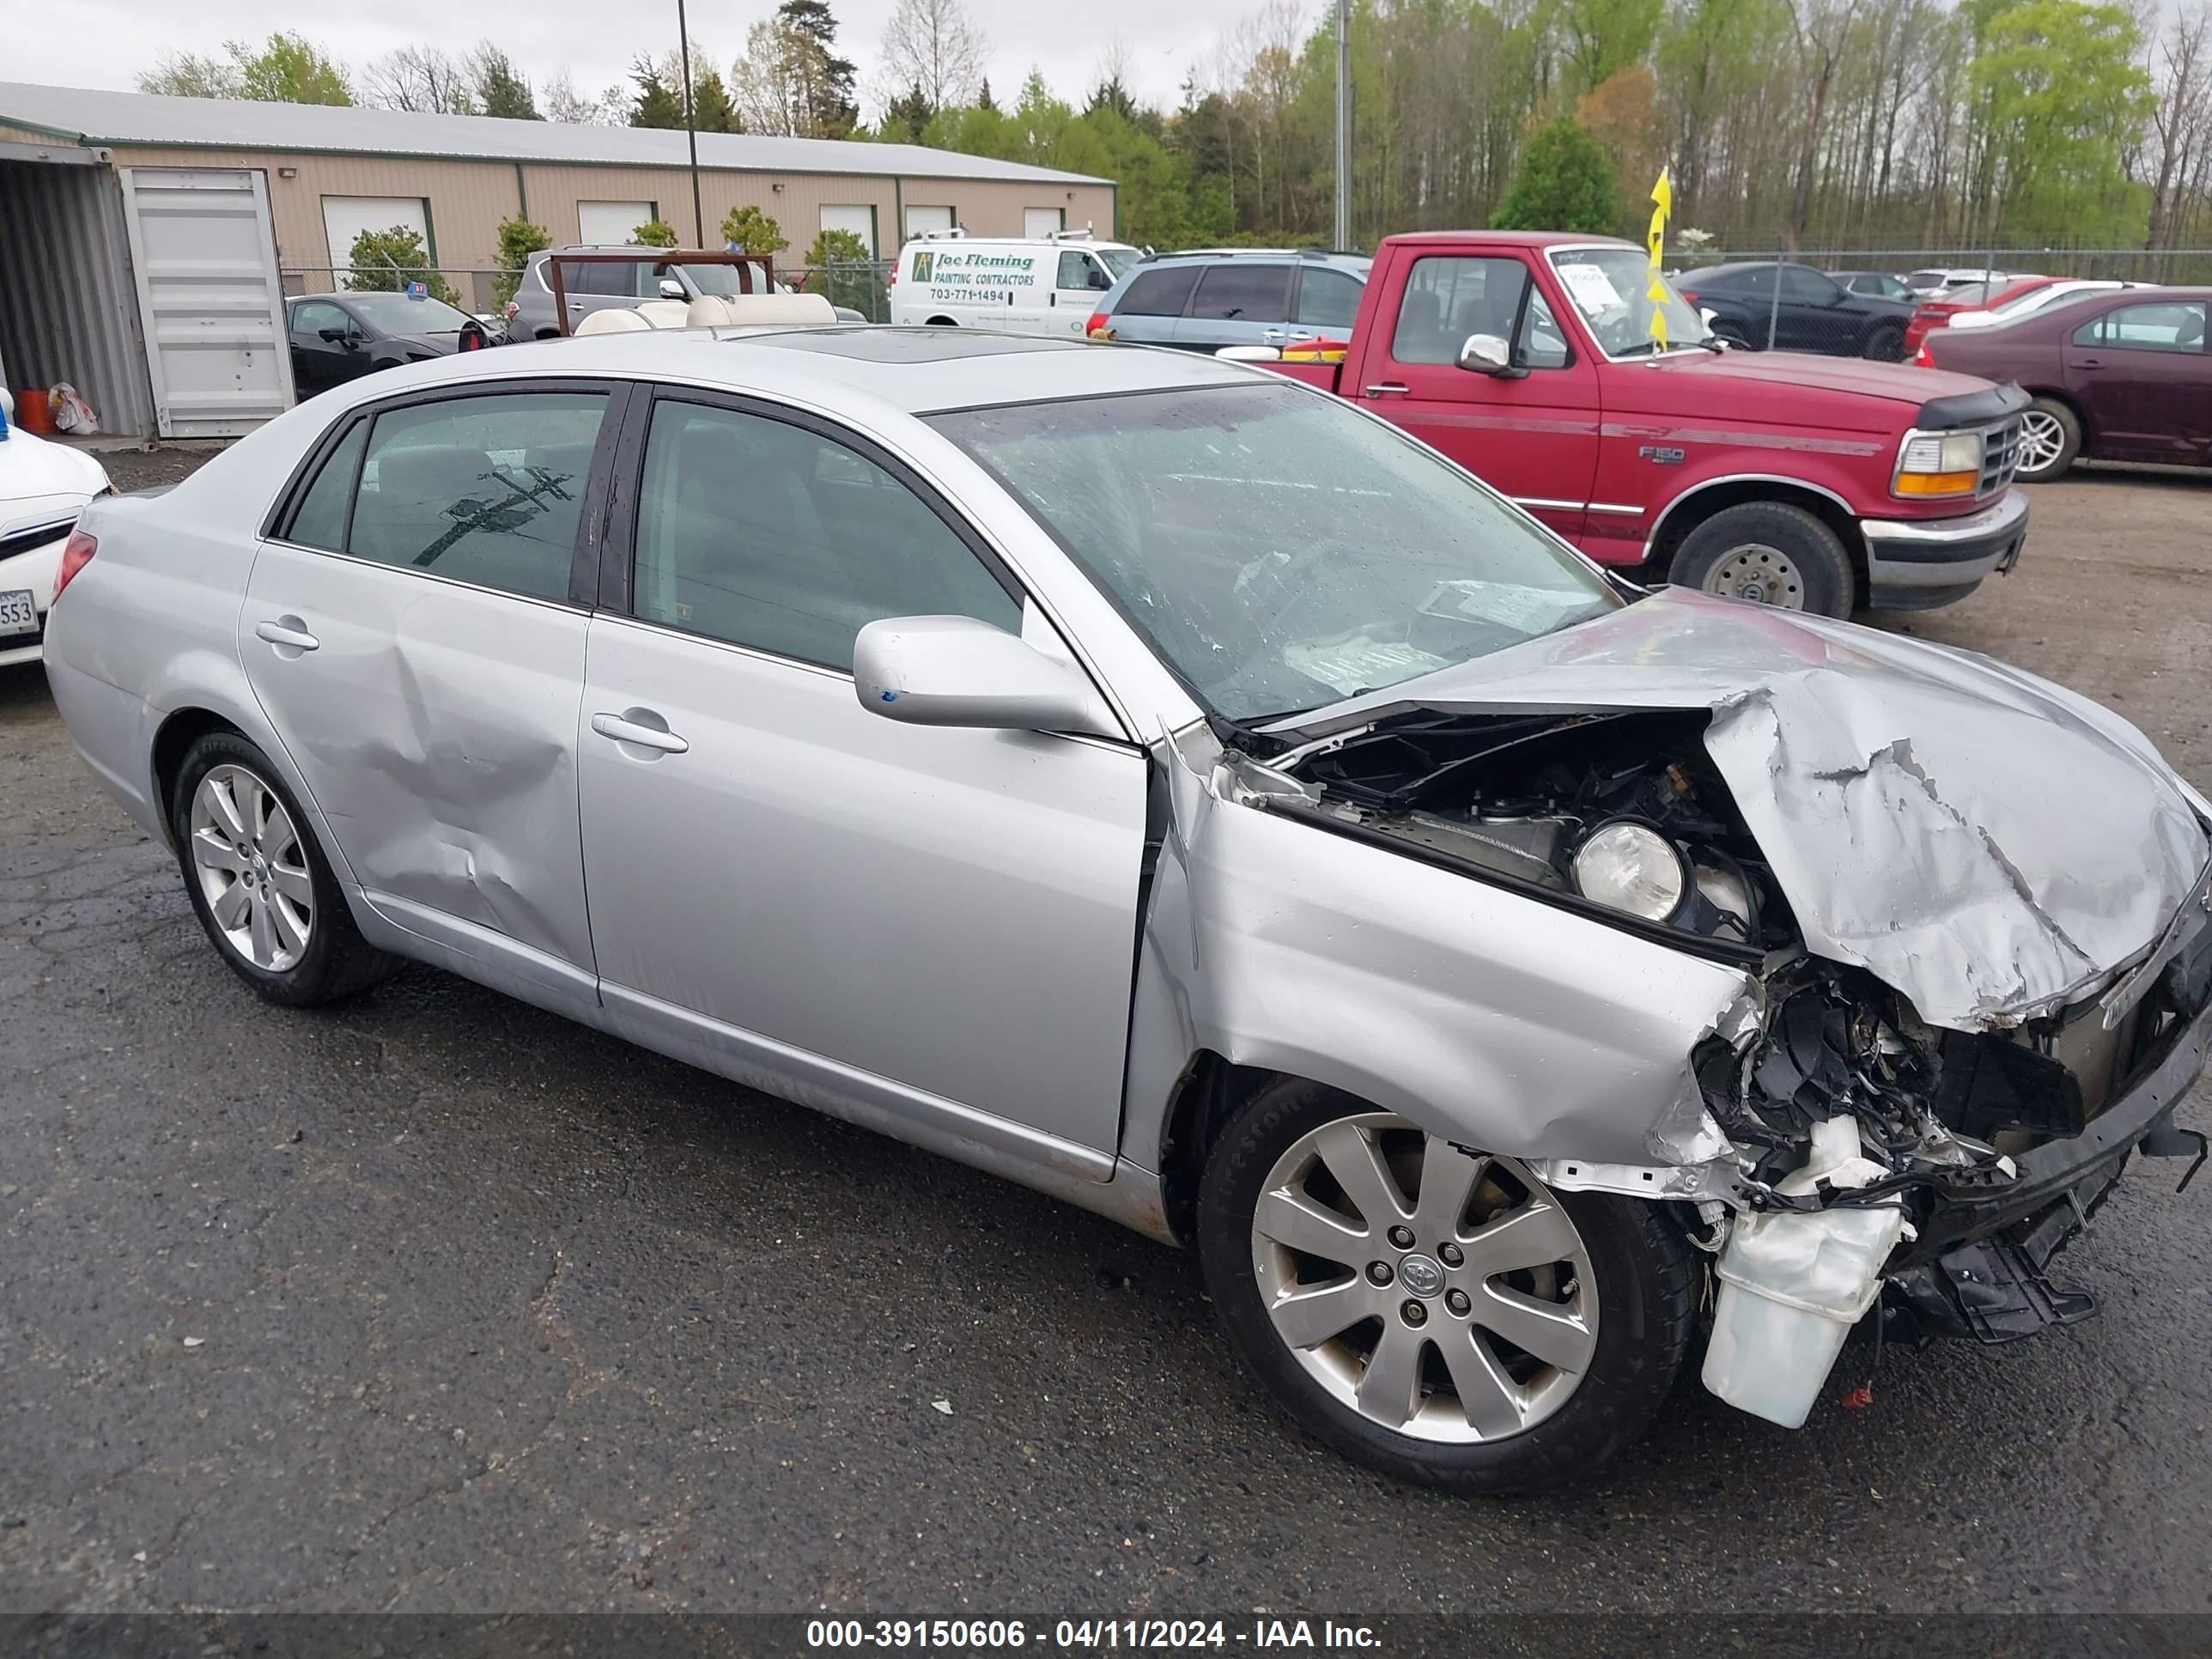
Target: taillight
(1924, 358)
(1096, 328)
(75, 556)
(1687, 295)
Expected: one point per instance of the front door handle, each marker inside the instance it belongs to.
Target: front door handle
(1387, 388)
(286, 634)
(623, 730)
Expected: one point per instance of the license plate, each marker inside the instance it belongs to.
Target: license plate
(18, 614)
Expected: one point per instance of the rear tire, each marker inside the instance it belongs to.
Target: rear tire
(1548, 1423)
(2049, 441)
(1886, 344)
(1770, 553)
(248, 851)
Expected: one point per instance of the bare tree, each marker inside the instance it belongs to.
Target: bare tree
(932, 46)
(427, 80)
(561, 101)
(2181, 121)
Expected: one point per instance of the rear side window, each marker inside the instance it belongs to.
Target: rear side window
(615, 277)
(485, 489)
(320, 519)
(1327, 299)
(1162, 293)
(1244, 294)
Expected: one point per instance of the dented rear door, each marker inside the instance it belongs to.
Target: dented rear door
(413, 634)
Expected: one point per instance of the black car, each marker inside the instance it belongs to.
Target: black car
(336, 337)
(1875, 284)
(1813, 312)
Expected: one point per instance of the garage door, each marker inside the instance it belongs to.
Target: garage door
(1043, 224)
(612, 224)
(345, 217)
(860, 221)
(921, 219)
(212, 307)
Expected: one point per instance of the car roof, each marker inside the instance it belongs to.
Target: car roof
(896, 370)
(1516, 238)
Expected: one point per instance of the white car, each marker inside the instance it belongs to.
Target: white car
(1014, 284)
(44, 486)
(2028, 304)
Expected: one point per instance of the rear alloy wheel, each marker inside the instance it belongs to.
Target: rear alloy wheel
(1768, 553)
(1435, 1313)
(2050, 440)
(260, 884)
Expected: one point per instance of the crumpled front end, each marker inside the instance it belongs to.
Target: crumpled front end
(1967, 911)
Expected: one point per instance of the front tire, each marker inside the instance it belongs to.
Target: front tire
(2049, 441)
(1437, 1316)
(1768, 553)
(259, 885)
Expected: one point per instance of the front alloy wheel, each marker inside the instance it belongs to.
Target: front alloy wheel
(1457, 1307)
(1433, 1311)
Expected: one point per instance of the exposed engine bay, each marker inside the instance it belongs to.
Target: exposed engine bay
(1865, 1147)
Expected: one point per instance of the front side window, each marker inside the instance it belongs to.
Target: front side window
(1162, 293)
(1278, 549)
(1807, 286)
(769, 535)
(1328, 298)
(1240, 292)
(1074, 272)
(396, 314)
(484, 490)
(2147, 328)
(1449, 297)
(616, 279)
(316, 315)
(1612, 288)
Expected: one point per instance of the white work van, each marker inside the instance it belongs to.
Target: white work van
(1017, 283)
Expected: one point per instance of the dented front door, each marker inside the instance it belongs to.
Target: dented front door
(426, 675)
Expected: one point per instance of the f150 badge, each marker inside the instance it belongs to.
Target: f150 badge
(1663, 454)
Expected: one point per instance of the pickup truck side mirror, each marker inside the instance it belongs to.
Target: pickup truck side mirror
(673, 289)
(1486, 354)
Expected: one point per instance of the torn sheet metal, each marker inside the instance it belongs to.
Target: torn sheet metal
(1988, 844)
(1492, 1018)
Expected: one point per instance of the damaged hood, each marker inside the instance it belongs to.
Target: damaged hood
(1988, 844)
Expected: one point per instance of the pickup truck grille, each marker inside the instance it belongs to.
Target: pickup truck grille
(2000, 458)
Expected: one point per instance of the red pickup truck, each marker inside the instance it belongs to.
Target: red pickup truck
(1820, 483)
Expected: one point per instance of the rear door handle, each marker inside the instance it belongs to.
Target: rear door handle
(2088, 362)
(287, 634)
(1387, 388)
(645, 736)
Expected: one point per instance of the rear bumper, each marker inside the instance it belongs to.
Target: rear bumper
(1913, 564)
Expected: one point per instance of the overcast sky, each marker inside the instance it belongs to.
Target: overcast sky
(107, 43)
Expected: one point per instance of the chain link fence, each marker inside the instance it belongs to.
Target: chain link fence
(481, 291)
(1876, 302)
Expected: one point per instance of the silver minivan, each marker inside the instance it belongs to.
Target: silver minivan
(1207, 299)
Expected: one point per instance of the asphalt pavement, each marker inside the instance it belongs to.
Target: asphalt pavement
(437, 1303)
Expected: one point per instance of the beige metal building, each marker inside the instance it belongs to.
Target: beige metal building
(146, 243)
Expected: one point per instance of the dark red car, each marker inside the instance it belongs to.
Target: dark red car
(2120, 376)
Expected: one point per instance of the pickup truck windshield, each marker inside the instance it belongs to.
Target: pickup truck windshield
(1279, 550)
(1611, 287)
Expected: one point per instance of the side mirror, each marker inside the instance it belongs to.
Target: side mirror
(955, 671)
(673, 289)
(1486, 354)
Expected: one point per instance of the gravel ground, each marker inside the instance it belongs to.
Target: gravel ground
(438, 1303)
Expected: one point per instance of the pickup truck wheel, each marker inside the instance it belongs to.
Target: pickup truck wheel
(1435, 1314)
(1770, 553)
(1886, 344)
(2050, 440)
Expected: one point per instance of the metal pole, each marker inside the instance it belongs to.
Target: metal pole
(690, 129)
(1343, 240)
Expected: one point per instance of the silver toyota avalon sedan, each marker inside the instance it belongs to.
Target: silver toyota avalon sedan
(1165, 784)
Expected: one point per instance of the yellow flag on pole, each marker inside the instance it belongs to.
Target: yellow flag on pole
(1663, 208)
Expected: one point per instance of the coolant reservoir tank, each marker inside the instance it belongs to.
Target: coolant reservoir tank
(1793, 1286)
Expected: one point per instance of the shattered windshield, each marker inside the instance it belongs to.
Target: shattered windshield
(1279, 550)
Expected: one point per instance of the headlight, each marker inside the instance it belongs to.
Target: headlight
(1931, 464)
(1631, 867)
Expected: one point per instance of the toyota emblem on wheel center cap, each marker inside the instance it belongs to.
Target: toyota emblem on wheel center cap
(1421, 1274)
